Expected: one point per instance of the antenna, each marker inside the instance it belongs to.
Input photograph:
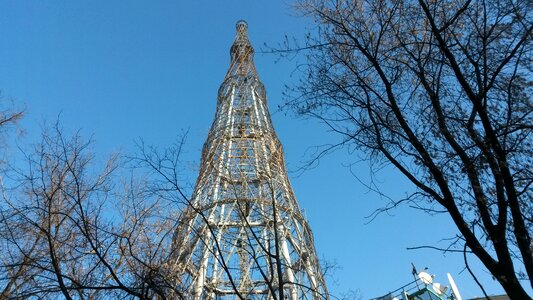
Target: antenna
(455, 291)
(414, 269)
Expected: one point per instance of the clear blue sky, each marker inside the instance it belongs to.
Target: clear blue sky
(122, 70)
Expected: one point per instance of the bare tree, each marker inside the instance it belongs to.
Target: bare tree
(441, 90)
(9, 117)
(68, 228)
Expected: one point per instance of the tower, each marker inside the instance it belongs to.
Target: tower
(243, 235)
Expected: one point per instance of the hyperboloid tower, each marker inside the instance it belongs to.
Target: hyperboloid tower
(243, 235)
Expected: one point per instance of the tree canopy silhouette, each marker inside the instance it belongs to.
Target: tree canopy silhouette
(441, 90)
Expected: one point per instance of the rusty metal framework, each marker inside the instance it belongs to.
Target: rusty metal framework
(243, 235)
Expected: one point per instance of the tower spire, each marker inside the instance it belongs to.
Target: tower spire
(243, 235)
(242, 53)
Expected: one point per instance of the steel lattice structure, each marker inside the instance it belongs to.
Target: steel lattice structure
(243, 229)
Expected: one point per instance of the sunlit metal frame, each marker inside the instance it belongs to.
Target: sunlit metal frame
(244, 224)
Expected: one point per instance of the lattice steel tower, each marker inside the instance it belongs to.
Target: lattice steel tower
(243, 230)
